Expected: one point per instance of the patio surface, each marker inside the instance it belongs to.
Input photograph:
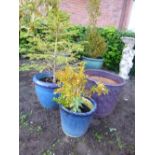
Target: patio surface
(41, 133)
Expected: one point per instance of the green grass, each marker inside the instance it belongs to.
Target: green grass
(50, 151)
(24, 123)
(23, 120)
(119, 142)
(47, 152)
(98, 136)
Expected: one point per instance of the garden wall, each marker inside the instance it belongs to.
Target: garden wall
(113, 12)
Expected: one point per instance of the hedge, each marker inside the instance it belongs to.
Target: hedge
(112, 36)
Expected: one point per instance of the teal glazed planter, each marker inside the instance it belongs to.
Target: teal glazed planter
(45, 91)
(91, 63)
(76, 124)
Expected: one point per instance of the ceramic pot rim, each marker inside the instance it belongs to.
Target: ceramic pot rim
(79, 113)
(38, 76)
(107, 72)
(93, 59)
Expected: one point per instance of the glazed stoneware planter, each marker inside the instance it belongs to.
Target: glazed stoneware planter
(91, 63)
(76, 124)
(45, 91)
(105, 103)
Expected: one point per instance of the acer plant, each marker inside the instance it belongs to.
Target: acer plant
(73, 81)
(76, 106)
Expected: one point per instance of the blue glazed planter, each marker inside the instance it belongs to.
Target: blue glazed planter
(91, 63)
(76, 124)
(105, 103)
(45, 91)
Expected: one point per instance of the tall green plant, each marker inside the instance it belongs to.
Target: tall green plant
(93, 11)
(95, 45)
(53, 43)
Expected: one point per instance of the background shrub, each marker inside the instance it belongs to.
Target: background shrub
(128, 34)
(115, 46)
(78, 33)
(30, 29)
(111, 35)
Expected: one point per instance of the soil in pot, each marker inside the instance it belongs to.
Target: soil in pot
(102, 79)
(48, 79)
(84, 108)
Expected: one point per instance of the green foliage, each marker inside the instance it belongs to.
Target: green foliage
(31, 28)
(115, 47)
(51, 150)
(32, 66)
(93, 11)
(24, 123)
(98, 136)
(128, 34)
(78, 33)
(112, 37)
(23, 120)
(114, 50)
(45, 32)
(95, 45)
(47, 152)
(78, 36)
(72, 81)
(119, 142)
(75, 39)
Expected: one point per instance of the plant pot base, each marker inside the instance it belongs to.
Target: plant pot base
(69, 135)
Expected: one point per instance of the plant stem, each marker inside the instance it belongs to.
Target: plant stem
(54, 60)
(56, 41)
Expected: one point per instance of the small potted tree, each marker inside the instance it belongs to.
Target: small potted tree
(77, 108)
(52, 45)
(95, 45)
(105, 103)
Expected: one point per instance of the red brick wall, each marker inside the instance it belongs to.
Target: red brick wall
(126, 10)
(113, 12)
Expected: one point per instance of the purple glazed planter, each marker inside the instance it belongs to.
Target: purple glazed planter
(105, 103)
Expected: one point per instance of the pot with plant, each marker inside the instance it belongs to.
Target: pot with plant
(76, 106)
(95, 45)
(52, 46)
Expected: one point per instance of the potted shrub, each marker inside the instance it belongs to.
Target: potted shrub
(95, 45)
(76, 106)
(52, 46)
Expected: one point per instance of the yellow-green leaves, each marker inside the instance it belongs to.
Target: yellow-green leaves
(72, 82)
(44, 33)
(95, 45)
(94, 11)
